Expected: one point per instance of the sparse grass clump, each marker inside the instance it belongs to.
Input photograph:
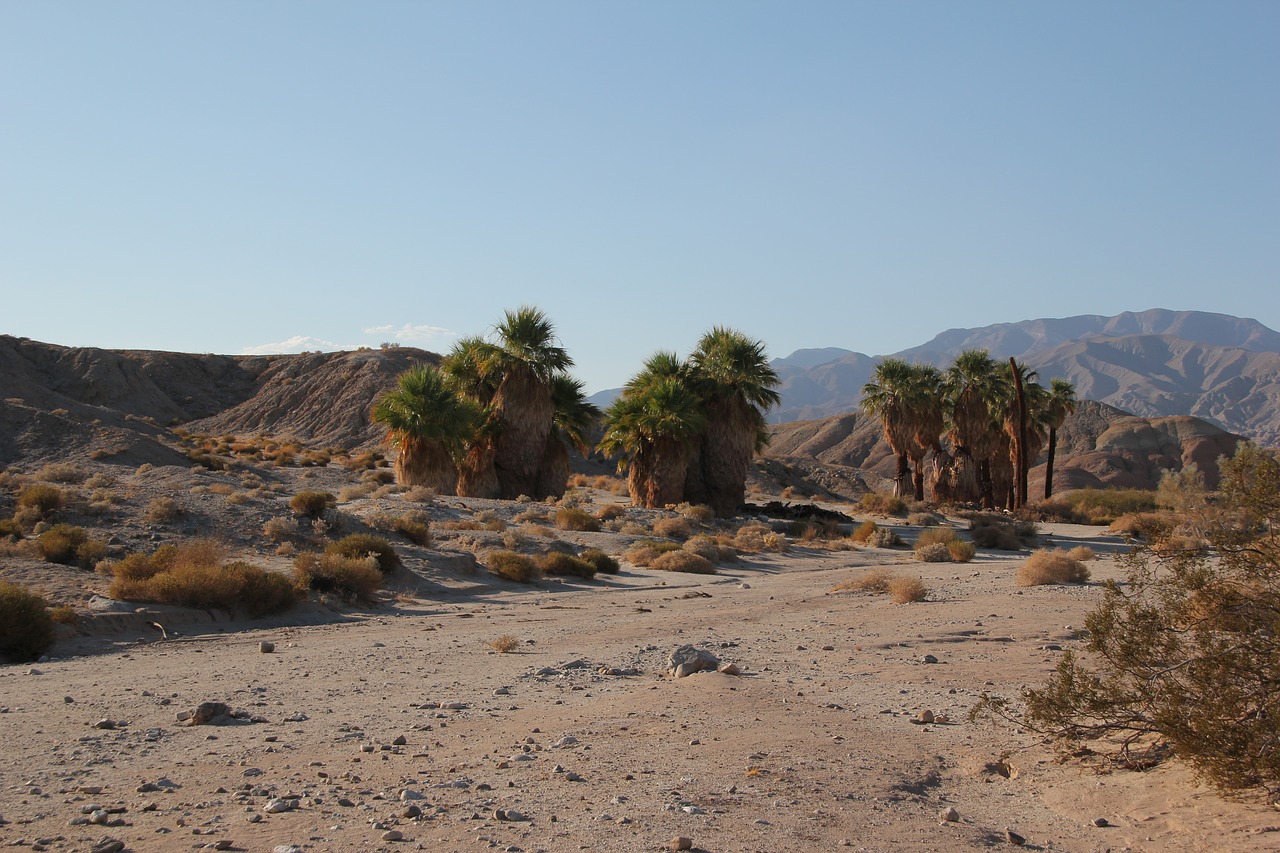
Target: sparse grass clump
(698, 513)
(608, 512)
(504, 644)
(490, 520)
(10, 529)
(1050, 567)
(512, 566)
(922, 519)
(864, 531)
(1081, 553)
(907, 590)
(757, 538)
(26, 629)
(710, 548)
(41, 498)
(643, 554)
(352, 578)
(574, 518)
(937, 552)
(882, 504)
(358, 545)
(1004, 534)
(672, 527)
(70, 545)
(194, 575)
(1103, 506)
(601, 561)
(163, 509)
(565, 565)
(683, 561)
(280, 529)
(935, 536)
(311, 504)
(961, 551)
(875, 579)
(1149, 526)
(420, 495)
(414, 526)
(62, 472)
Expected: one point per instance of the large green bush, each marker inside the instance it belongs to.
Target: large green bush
(26, 629)
(366, 545)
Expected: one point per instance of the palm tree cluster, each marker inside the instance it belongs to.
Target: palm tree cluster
(686, 430)
(984, 421)
(495, 419)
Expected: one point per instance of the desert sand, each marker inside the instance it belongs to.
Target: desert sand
(400, 727)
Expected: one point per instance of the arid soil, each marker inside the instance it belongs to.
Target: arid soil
(399, 726)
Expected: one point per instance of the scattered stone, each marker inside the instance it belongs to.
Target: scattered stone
(393, 835)
(279, 804)
(108, 845)
(949, 815)
(928, 659)
(1101, 821)
(686, 660)
(729, 669)
(286, 848)
(105, 724)
(266, 647)
(411, 812)
(924, 717)
(400, 740)
(680, 842)
(1013, 838)
(208, 713)
(346, 802)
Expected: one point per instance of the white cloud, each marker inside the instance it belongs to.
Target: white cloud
(298, 343)
(411, 333)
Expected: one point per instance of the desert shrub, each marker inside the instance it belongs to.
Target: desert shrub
(26, 630)
(1185, 654)
(644, 553)
(163, 509)
(882, 504)
(565, 565)
(755, 538)
(922, 519)
(378, 476)
(609, 512)
(864, 531)
(311, 504)
(420, 494)
(64, 615)
(1050, 567)
(884, 537)
(1103, 506)
(366, 545)
(698, 513)
(70, 545)
(683, 561)
(1151, 526)
(573, 518)
(530, 516)
(353, 492)
(601, 561)
(673, 527)
(937, 552)
(490, 520)
(194, 575)
(935, 536)
(280, 529)
(10, 528)
(1081, 553)
(961, 551)
(907, 590)
(704, 546)
(41, 498)
(1004, 534)
(504, 644)
(512, 566)
(414, 526)
(872, 580)
(62, 472)
(352, 578)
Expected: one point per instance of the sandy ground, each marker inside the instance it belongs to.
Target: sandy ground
(404, 721)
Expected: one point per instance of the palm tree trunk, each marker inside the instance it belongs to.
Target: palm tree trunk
(524, 405)
(422, 464)
(476, 475)
(554, 469)
(903, 475)
(1048, 466)
(726, 453)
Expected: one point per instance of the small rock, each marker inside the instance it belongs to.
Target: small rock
(400, 740)
(1101, 821)
(928, 659)
(393, 835)
(1013, 838)
(208, 712)
(411, 812)
(266, 647)
(949, 814)
(279, 804)
(105, 724)
(686, 660)
(924, 717)
(108, 845)
(729, 669)
(680, 842)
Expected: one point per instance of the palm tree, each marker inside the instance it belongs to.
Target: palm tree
(736, 384)
(651, 429)
(574, 419)
(1060, 403)
(970, 392)
(430, 423)
(889, 396)
(1020, 399)
(927, 419)
(468, 366)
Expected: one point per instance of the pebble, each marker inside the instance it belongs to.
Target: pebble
(729, 669)
(949, 814)
(400, 740)
(928, 659)
(105, 724)
(108, 845)
(393, 835)
(266, 647)
(1013, 838)
(924, 717)
(1101, 821)
(279, 804)
(680, 842)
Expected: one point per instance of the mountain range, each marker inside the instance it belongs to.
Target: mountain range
(1157, 363)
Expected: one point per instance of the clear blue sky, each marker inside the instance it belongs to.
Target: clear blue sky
(231, 176)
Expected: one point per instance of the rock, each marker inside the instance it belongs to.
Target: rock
(408, 795)
(279, 804)
(924, 717)
(393, 835)
(411, 812)
(286, 848)
(949, 815)
(208, 712)
(400, 740)
(105, 724)
(266, 647)
(108, 845)
(680, 842)
(1013, 838)
(1100, 821)
(729, 669)
(687, 660)
(928, 659)
(346, 802)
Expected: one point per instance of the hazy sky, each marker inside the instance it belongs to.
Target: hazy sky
(274, 176)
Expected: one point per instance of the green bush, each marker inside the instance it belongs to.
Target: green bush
(194, 574)
(26, 629)
(601, 561)
(364, 545)
(1103, 506)
(566, 565)
(70, 545)
(41, 497)
(512, 566)
(961, 551)
(353, 578)
(573, 518)
(311, 504)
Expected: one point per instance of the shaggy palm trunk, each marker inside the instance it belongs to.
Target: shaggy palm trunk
(942, 470)
(695, 485)
(901, 479)
(1048, 465)
(656, 475)
(726, 453)
(476, 475)
(966, 483)
(421, 463)
(917, 480)
(554, 469)
(523, 405)
(986, 486)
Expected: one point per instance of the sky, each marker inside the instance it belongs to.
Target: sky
(246, 177)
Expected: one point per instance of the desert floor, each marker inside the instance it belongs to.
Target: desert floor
(365, 724)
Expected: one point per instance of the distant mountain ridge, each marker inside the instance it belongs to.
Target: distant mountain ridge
(1155, 363)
